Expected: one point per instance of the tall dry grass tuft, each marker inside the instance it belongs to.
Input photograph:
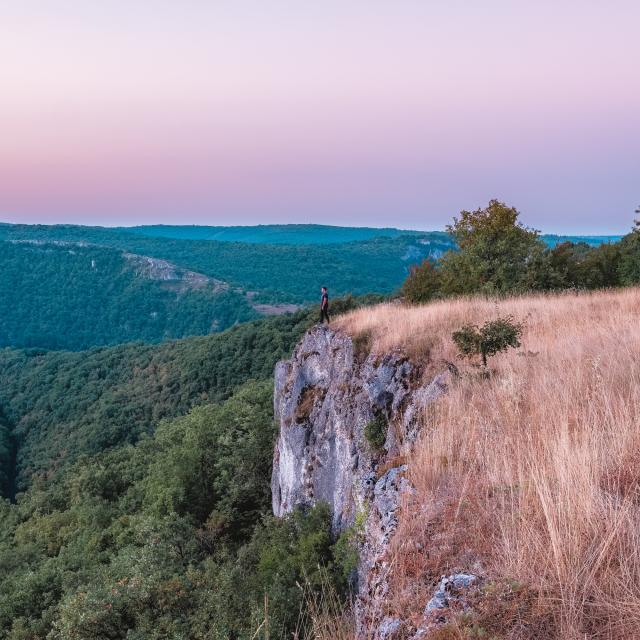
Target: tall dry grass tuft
(324, 614)
(532, 475)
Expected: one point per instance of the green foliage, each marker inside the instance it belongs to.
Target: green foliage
(422, 284)
(345, 550)
(170, 537)
(497, 255)
(629, 266)
(61, 297)
(6, 457)
(276, 272)
(495, 252)
(214, 461)
(375, 431)
(492, 337)
(579, 265)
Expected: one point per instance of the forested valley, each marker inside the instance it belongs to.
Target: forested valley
(140, 498)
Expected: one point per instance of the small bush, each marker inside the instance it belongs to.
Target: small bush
(376, 432)
(491, 338)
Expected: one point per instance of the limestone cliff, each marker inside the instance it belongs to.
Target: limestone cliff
(325, 396)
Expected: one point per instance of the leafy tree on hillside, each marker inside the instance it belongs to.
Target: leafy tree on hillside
(629, 266)
(495, 252)
(215, 462)
(422, 284)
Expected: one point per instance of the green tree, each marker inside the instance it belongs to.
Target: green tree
(422, 284)
(492, 337)
(495, 252)
(629, 265)
(580, 265)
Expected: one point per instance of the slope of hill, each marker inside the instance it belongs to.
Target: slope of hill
(150, 503)
(524, 482)
(276, 273)
(64, 405)
(75, 297)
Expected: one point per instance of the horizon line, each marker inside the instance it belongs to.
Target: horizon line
(296, 224)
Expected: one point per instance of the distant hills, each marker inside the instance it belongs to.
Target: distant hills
(272, 233)
(74, 287)
(313, 234)
(75, 297)
(273, 273)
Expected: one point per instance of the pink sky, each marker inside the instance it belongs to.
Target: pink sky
(360, 113)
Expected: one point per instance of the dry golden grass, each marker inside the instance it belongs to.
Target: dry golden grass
(533, 474)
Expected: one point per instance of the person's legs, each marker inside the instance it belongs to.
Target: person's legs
(324, 314)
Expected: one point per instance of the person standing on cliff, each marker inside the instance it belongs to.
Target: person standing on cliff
(324, 305)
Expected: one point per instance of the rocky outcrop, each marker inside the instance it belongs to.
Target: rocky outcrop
(325, 396)
(171, 274)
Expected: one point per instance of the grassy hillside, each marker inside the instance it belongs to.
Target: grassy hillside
(529, 476)
(74, 297)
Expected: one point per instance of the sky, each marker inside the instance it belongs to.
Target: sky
(351, 112)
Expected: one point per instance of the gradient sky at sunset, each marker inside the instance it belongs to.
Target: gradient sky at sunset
(378, 113)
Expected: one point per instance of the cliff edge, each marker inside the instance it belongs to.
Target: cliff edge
(327, 397)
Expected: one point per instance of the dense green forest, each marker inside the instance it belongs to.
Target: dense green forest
(74, 297)
(275, 272)
(7, 457)
(143, 475)
(66, 404)
(168, 538)
(291, 234)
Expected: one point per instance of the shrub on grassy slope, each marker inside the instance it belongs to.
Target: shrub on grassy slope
(491, 338)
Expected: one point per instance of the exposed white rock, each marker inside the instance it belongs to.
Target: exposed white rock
(165, 271)
(324, 398)
(449, 599)
(389, 627)
(450, 590)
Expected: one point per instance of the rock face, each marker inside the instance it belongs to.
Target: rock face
(182, 279)
(325, 396)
